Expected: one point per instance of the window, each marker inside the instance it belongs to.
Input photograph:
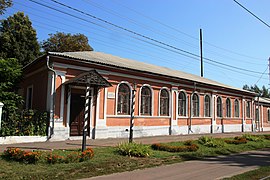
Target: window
(268, 115)
(248, 109)
(228, 107)
(123, 103)
(146, 99)
(164, 103)
(182, 104)
(29, 97)
(207, 104)
(236, 108)
(219, 107)
(195, 105)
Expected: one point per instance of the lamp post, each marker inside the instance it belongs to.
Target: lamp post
(133, 94)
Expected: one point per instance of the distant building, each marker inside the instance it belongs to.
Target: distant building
(166, 102)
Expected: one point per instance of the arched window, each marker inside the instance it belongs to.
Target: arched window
(248, 109)
(236, 108)
(146, 101)
(219, 107)
(164, 103)
(182, 104)
(268, 115)
(207, 104)
(228, 107)
(123, 103)
(195, 105)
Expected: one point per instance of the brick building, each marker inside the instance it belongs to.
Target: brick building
(166, 101)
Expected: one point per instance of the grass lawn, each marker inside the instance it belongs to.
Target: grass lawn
(256, 174)
(106, 161)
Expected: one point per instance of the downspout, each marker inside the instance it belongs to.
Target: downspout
(52, 104)
(190, 107)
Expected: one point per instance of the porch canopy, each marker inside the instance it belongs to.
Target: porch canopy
(89, 78)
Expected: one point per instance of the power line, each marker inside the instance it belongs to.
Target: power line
(143, 36)
(261, 75)
(252, 13)
(181, 32)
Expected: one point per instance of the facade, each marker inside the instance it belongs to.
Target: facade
(166, 101)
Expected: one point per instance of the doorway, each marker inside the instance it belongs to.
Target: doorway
(77, 106)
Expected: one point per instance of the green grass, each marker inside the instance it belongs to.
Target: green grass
(107, 160)
(253, 175)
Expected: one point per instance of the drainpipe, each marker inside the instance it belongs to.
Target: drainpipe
(52, 104)
(190, 107)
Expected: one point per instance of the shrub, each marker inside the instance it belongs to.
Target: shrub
(86, 155)
(251, 137)
(267, 137)
(133, 149)
(164, 147)
(211, 142)
(16, 154)
(237, 140)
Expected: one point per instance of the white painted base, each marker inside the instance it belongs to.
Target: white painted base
(22, 139)
(60, 133)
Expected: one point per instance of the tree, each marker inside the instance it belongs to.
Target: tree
(18, 39)
(4, 4)
(264, 92)
(61, 42)
(10, 75)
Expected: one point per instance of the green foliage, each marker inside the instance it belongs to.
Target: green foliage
(18, 39)
(165, 147)
(16, 154)
(61, 42)
(133, 150)
(4, 4)
(263, 92)
(251, 137)
(211, 142)
(24, 123)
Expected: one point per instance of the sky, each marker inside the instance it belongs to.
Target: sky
(166, 33)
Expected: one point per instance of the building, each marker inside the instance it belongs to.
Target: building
(166, 101)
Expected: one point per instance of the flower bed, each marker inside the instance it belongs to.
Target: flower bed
(237, 140)
(30, 157)
(189, 147)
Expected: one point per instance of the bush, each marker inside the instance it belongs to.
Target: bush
(237, 140)
(164, 147)
(267, 137)
(16, 154)
(29, 157)
(24, 123)
(133, 149)
(211, 142)
(251, 137)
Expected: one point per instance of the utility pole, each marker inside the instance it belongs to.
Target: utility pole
(201, 53)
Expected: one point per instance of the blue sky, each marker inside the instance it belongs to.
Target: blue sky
(230, 34)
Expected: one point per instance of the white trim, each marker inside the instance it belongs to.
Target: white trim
(128, 116)
(63, 65)
(152, 99)
(27, 97)
(169, 92)
(192, 115)
(230, 107)
(68, 106)
(97, 107)
(210, 105)
(186, 95)
(116, 96)
(105, 105)
(217, 97)
(262, 119)
(62, 100)
(234, 115)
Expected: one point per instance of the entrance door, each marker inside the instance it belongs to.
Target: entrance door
(77, 113)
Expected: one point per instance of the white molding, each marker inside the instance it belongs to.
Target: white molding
(116, 96)
(105, 105)
(62, 100)
(68, 106)
(152, 98)
(169, 92)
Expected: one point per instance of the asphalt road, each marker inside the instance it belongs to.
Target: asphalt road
(210, 168)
